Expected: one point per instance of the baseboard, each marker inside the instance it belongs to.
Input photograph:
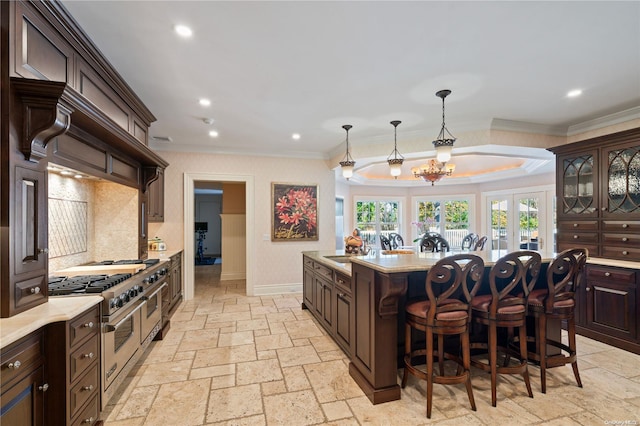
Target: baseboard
(272, 289)
(233, 276)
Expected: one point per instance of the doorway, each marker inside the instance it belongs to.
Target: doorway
(189, 220)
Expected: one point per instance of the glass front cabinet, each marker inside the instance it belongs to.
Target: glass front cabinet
(598, 190)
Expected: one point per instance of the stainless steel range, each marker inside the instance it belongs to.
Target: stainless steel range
(131, 310)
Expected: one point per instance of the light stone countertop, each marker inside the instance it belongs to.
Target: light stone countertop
(163, 254)
(56, 309)
(417, 261)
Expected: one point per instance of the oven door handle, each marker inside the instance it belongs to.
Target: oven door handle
(158, 290)
(108, 328)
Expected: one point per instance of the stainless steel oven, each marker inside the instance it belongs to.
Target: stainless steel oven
(151, 313)
(121, 341)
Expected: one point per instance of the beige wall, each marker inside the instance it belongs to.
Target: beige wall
(275, 263)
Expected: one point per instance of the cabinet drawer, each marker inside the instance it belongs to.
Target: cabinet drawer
(86, 387)
(83, 357)
(323, 271)
(307, 262)
(20, 358)
(593, 248)
(89, 414)
(578, 225)
(578, 237)
(621, 226)
(344, 281)
(622, 240)
(83, 326)
(603, 273)
(623, 253)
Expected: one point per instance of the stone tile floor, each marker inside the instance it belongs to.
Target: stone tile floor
(230, 359)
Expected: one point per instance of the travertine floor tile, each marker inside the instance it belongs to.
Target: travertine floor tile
(230, 403)
(234, 360)
(179, 403)
(301, 406)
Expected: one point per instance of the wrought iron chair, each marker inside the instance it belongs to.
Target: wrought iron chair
(385, 244)
(469, 241)
(396, 240)
(479, 245)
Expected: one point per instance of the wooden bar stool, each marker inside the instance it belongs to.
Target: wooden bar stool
(450, 285)
(510, 279)
(557, 301)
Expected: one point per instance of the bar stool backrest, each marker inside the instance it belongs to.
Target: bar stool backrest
(564, 275)
(513, 275)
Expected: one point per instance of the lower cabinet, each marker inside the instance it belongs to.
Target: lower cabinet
(609, 302)
(327, 295)
(22, 382)
(175, 282)
(73, 360)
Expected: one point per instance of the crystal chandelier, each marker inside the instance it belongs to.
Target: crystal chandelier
(436, 169)
(395, 163)
(348, 163)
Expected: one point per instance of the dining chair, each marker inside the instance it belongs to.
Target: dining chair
(479, 245)
(395, 240)
(469, 241)
(385, 244)
(511, 279)
(450, 285)
(557, 302)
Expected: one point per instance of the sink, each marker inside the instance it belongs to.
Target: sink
(339, 258)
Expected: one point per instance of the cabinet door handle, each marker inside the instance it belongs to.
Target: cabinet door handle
(625, 225)
(624, 253)
(88, 325)
(89, 355)
(14, 365)
(89, 420)
(625, 239)
(607, 274)
(575, 225)
(35, 290)
(588, 289)
(575, 237)
(87, 388)
(604, 209)
(44, 387)
(43, 250)
(341, 295)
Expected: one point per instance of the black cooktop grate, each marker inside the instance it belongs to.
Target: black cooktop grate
(82, 284)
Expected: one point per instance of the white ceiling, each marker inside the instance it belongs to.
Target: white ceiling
(275, 68)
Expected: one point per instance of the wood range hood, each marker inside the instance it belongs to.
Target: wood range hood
(48, 109)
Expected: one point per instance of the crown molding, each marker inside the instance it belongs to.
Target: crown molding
(605, 121)
(525, 127)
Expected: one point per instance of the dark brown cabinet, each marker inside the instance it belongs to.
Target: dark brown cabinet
(175, 282)
(155, 203)
(23, 387)
(327, 295)
(73, 354)
(598, 189)
(611, 299)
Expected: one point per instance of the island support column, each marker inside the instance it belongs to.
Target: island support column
(375, 332)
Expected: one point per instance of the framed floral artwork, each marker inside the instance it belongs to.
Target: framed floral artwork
(294, 212)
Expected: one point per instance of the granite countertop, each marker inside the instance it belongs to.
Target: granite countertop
(417, 261)
(54, 310)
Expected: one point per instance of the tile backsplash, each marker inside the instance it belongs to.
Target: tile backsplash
(89, 221)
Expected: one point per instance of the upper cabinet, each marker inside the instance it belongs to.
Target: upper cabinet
(155, 204)
(598, 189)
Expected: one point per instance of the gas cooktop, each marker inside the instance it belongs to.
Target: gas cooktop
(83, 284)
(147, 262)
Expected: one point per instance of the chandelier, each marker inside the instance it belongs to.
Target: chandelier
(347, 163)
(436, 169)
(395, 163)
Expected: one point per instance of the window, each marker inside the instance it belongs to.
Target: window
(377, 217)
(449, 218)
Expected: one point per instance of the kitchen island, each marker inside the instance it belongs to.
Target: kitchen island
(360, 301)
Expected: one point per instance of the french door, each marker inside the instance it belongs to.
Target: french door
(520, 221)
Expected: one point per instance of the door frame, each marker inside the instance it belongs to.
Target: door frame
(189, 215)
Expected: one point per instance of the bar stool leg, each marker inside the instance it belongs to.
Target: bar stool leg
(429, 336)
(541, 331)
(466, 363)
(523, 357)
(571, 329)
(493, 361)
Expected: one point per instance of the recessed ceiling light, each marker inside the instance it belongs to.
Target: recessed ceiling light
(574, 93)
(78, 176)
(52, 168)
(66, 173)
(213, 134)
(183, 31)
(204, 102)
(295, 136)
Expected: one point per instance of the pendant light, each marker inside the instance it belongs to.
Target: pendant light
(348, 163)
(395, 163)
(443, 144)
